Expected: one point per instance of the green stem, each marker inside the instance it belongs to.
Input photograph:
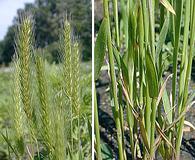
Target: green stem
(115, 8)
(177, 29)
(97, 132)
(122, 117)
(184, 58)
(179, 10)
(113, 82)
(153, 120)
(146, 20)
(151, 27)
(172, 27)
(130, 121)
(187, 79)
(147, 113)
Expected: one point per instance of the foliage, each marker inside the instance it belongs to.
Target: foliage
(48, 121)
(137, 63)
(48, 15)
(7, 46)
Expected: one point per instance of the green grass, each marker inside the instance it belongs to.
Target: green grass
(53, 70)
(137, 64)
(49, 114)
(50, 105)
(5, 100)
(5, 80)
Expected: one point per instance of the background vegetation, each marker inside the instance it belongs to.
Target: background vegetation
(47, 15)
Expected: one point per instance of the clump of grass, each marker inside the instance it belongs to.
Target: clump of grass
(140, 59)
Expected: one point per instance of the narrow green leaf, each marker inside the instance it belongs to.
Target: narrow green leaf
(106, 151)
(178, 21)
(162, 37)
(9, 144)
(168, 6)
(167, 106)
(100, 48)
(151, 76)
(89, 129)
(117, 56)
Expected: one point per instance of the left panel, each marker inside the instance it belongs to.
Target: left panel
(45, 79)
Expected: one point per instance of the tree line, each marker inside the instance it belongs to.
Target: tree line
(48, 15)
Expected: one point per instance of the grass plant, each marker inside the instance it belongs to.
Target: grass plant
(46, 112)
(135, 46)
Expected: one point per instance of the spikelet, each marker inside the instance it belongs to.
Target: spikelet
(65, 47)
(71, 67)
(76, 88)
(24, 48)
(44, 102)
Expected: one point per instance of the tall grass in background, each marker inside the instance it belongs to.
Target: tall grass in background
(136, 46)
(46, 115)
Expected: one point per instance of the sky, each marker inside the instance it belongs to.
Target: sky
(8, 10)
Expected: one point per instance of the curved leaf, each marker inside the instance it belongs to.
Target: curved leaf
(151, 76)
(167, 106)
(162, 36)
(168, 6)
(100, 48)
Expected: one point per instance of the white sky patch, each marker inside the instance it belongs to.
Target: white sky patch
(8, 10)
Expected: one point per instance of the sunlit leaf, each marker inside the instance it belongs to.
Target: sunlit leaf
(168, 6)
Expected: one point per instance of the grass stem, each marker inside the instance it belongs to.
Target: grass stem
(113, 82)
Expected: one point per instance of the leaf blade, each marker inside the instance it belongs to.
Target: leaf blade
(151, 76)
(162, 36)
(100, 48)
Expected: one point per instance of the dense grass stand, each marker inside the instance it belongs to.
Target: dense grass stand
(49, 117)
(148, 37)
